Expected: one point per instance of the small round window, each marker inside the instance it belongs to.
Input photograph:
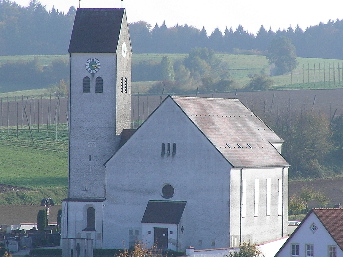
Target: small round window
(167, 191)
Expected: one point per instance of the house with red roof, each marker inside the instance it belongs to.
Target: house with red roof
(319, 234)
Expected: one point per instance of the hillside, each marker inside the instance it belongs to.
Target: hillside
(45, 72)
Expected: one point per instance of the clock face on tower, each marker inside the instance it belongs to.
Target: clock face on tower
(92, 65)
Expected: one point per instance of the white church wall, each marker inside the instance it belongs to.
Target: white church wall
(255, 212)
(76, 224)
(198, 172)
(92, 130)
(147, 236)
(123, 94)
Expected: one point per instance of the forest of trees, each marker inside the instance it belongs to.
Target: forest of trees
(35, 30)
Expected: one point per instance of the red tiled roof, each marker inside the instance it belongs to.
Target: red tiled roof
(332, 220)
(241, 137)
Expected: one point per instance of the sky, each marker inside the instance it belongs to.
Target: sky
(251, 14)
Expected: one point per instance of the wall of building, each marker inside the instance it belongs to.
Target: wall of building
(259, 210)
(92, 126)
(320, 239)
(74, 221)
(197, 171)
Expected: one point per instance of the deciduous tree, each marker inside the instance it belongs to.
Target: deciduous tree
(282, 54)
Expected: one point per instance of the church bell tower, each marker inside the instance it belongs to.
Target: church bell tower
(100, 96)
(100, 108)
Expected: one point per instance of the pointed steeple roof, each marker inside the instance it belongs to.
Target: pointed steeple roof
(96, 30)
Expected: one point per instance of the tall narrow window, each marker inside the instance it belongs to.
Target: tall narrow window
(163, 150)
(99, 85)
(279, 208)
(90, 218)
(257, 197)
(244, 198)
(174, 149)
(122, 84)
(268, 196)
(168, 149)
(86, 85)
(125, 84)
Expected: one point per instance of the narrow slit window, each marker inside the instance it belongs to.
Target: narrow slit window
(86, 85)
(163, 150)
(122, 84)
(257, 197)
(268, 196)
(174, 149)
(125, 84)
(99, 85)
(168, 149)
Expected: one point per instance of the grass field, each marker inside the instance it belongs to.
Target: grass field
(35, 164)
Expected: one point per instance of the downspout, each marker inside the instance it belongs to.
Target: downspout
(283, 202)
(69, 104)
(240, 205)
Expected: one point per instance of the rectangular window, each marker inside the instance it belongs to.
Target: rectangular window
(168, 149)
(332, 251)
(122, 84)
(244, 198)
(279, 209)
(163, 150)
(268, 196)
(295, 250)
(309, 250)
(257, 197)
(174, 149)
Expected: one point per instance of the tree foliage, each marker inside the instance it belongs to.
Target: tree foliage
(36, 30)
(307, 143)
(247, 250)
(201, 70)
(42, 221)
(260, 82)
(282, 54)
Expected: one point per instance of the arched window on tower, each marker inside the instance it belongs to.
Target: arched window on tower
(86, 85)
(90, 219)
(99, 85)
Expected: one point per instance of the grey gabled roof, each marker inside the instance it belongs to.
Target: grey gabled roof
(237, 133)
(96, 30)
(165, 212)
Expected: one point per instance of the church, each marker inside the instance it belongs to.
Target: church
(201, 172)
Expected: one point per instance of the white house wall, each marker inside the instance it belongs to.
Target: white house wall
(198, 172)
(320, 239)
